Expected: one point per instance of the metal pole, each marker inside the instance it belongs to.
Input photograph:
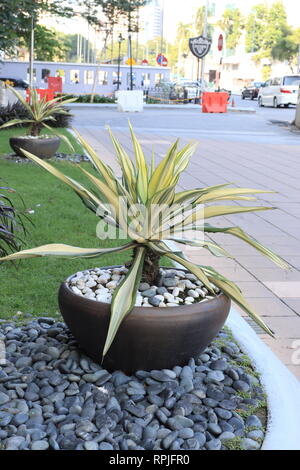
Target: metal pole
(119, 63)
(130, 47)
(31, 54)
(162, 28)
(298, 69)
(130, 58)
(204, 34)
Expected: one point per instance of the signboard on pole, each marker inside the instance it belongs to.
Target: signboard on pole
(200, 46)
(162, 60)
(220, 42)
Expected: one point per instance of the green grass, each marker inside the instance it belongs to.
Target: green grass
(59, 216)
(5, 134)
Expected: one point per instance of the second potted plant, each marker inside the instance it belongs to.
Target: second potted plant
(40, 114)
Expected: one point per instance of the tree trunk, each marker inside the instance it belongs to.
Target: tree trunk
(35, 129)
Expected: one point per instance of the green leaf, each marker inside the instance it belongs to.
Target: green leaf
(239, 233)
(124, 297)
(58, 249)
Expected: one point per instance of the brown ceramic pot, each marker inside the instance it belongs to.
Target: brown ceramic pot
(42, 148)
(148, 338)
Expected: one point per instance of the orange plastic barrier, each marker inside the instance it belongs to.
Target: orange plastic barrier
(43, 93)
(214, 102)
(55, 84)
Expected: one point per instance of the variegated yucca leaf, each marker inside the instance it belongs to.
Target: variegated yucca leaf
(166, 215)
(58, 249)
(124, 297)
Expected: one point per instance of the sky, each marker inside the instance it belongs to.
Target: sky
(178, 10)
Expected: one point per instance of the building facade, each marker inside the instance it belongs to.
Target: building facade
(87, 78)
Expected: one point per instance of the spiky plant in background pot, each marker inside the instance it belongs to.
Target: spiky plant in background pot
(40, 113)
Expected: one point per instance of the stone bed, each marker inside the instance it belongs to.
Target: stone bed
(74, 158)
(54, 397)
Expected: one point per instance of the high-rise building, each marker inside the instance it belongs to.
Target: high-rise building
(152, 20)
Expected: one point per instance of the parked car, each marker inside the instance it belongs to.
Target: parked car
(16, 82)
(251, 91)
(187, 90)
(281, 91)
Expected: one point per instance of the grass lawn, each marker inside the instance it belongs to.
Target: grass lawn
(5, 134)
(59, 216)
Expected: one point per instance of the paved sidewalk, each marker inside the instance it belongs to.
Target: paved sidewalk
(274, 293)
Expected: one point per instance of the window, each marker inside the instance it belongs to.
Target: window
(102, 77)
(115, 78)
(74, 76)
(45, 75)
(88, 77)
(61, 73)
(275, 82)
(158, 78)
(293, 80)
(145, 82)
(34, 75)
(133, 79)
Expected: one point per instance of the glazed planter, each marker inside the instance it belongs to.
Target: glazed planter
(148, 338)
(41, 147)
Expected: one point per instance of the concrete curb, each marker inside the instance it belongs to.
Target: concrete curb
(281, 386)
(160, 107)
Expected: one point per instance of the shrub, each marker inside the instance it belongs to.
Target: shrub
(12, 225)
(18, 111)
(13, 111)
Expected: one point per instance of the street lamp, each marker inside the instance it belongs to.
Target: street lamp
(120, 39)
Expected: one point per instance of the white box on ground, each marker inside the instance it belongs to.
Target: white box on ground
(130, 101)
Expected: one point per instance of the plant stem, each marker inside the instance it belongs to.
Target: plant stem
(151, 267)
(35, 129)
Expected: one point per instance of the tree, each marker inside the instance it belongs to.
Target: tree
(49, 44)
(199, 22)
(266, 28)
(255, 27)
(287, 48)
(16, 17)
(232, 23)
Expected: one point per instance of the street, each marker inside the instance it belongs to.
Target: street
(246, 150)
(235, 127)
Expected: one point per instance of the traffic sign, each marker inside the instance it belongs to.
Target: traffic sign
(220, 42)
(162, 60)
(200, 46)
(130, 61)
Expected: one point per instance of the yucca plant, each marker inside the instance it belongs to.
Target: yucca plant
(40, 113)
(151, 186)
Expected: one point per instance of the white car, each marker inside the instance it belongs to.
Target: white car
(281, 91)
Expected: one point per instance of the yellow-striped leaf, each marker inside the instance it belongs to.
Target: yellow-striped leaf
(124, 297)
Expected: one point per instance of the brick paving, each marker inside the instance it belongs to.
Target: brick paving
(273, 292)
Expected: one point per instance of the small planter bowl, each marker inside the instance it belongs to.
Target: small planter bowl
(148, 338)
(41, 147)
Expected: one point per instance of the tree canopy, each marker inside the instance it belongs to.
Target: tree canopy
(16, 17)
(232, 23)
